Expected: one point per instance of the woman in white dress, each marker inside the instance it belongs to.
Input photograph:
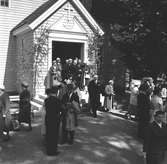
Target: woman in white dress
(156, 103)
(109, 91)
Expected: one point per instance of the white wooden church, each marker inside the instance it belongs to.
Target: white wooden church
(65, 24)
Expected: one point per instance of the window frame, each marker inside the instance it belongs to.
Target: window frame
(4, 6)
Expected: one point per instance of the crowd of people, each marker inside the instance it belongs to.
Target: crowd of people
(71, 69)
(61, 107)
(95, 89)
(63, 102)
(148, 103)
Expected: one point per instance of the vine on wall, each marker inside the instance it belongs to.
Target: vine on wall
(41, 50)
(33, 55)
(95, 42)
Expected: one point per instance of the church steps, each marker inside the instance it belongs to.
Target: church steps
(38, 99)
(36, 104)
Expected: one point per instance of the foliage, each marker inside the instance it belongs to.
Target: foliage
(40, 48)
(33, 55)
(139, 28)
(94, 44)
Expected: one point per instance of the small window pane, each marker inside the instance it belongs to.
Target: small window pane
(4, 3)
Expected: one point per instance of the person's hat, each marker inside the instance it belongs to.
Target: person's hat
(110, 81)
(2, 87)
(54, 62)
(159, 112)
(24, 84)
(58, 59)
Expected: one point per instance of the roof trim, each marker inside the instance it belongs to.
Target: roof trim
(46, 14)
(21, 30)
(88, 16)
(52, 9)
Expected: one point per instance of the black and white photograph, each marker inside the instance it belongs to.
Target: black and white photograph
(83, 81)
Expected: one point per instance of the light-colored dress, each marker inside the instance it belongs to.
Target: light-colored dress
(156, 105)
(108, 102)
(133, 100)
(73, 107)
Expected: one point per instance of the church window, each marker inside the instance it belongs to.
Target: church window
(4, 3)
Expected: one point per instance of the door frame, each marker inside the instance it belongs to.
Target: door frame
(69, 37)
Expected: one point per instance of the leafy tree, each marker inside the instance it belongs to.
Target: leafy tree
(139, 29)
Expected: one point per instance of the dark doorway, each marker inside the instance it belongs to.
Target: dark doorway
(66, 50)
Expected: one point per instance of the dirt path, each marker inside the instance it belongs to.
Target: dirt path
(104, 140)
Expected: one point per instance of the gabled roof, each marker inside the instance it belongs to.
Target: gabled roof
(48, 8)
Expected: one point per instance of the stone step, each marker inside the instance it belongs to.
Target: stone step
(14, 111)
(38, 100)
(42, 97)
(36, 106)
(14, 98)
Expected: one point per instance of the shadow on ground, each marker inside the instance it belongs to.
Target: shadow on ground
(103, 140)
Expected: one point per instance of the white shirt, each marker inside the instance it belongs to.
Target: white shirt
(159, 124)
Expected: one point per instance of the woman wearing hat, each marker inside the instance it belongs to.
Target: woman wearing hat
(108, 102)
(25, 106)
(69, 115)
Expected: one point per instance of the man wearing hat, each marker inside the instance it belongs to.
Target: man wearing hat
(155, 143)
(53, 108)
(94, 95)
(25, 105)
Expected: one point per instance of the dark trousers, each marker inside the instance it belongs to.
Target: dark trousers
(94, 107)
(52, 135)
(71, 137)
(64, 136)
(155, 158)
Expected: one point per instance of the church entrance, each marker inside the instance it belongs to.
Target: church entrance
(66, 50)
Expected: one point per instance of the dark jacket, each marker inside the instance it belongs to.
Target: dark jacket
(94, 90)
(155, 140)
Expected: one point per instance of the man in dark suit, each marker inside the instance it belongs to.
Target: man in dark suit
(155, 141)
(94, 95)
